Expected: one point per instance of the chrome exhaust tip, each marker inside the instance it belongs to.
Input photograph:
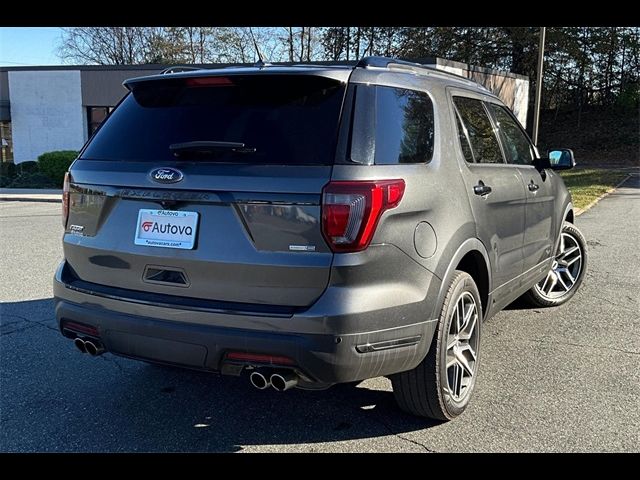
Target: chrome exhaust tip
(93, 348)
(284, 381)
(80, 345)
(259, 381)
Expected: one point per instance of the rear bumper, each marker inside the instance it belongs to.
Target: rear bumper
(325, 348)
(325, 359)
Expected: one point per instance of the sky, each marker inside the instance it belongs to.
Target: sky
(29, 46)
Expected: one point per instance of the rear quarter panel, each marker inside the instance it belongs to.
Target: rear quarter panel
(434, 195)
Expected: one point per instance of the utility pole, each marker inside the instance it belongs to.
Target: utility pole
(536, 108)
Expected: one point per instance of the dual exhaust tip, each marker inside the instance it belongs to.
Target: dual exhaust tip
(92, 347)
(280, 381)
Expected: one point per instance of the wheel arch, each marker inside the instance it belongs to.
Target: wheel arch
(472, 258)
(569, 215)
(566, 215)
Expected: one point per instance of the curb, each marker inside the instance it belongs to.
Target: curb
(580, 211)
(30, 199)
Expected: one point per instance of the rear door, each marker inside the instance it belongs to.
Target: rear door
(495, 190)
(209, 188)
(539, 221)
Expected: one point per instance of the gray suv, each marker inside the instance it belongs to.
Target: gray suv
(307, 225)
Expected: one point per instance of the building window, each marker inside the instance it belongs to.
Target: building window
(95, 116)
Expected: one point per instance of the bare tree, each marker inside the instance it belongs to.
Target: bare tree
(105, 45)
(197, 41)
(235, 44)
(134, 45)
(290, 43)
(300, 44)
(334, 42)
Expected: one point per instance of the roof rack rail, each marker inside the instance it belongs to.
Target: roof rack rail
(178, 68)
(385, 62)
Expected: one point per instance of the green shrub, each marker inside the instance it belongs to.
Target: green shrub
(7, 173)
(55, 164)
(32, 180)
(30, 166)
(629, 98)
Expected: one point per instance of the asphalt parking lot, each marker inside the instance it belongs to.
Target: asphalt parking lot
(564, 379)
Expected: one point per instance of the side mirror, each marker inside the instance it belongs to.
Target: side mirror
(561, 159)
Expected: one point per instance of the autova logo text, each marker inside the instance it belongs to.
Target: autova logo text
(155, 227)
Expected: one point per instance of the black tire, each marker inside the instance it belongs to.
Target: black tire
(424, 390)
(536, 298)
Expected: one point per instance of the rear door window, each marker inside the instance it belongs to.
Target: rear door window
(281, 119)
(482, 137)
(516, 144)
(464, 140)
(392, 126)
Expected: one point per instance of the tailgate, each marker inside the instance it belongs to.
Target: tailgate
(251, 245)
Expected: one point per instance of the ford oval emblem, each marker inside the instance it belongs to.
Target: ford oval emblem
(166, 175)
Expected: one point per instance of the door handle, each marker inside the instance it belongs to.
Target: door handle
(533, 186)
(481, 189)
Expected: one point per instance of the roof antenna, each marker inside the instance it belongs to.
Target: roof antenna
(260, 63)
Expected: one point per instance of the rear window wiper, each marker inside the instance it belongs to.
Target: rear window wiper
(209, 146)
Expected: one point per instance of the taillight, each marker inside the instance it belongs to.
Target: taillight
(65, 200)
(351, 210)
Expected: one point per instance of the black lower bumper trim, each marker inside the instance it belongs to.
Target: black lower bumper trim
(323, 358)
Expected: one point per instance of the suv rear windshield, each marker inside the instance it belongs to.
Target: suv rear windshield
(280, 119)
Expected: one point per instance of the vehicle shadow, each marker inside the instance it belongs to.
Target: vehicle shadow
(228, 413)
(111, 403)
(520, 304)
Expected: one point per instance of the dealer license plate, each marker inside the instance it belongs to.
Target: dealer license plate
(166, 228)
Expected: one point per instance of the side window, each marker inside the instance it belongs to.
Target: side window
(483, 139)
(464, 140)
(402, 123)
(516, 144)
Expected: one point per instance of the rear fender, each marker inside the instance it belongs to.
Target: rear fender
(469, 245)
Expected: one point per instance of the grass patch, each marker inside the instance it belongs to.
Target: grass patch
(588, 184)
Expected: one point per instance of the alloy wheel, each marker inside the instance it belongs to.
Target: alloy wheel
(565, 270)
(462, 347)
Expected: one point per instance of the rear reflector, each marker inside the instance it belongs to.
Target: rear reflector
(259, 358)
(65, 200)
(351, 210)
(81, 328)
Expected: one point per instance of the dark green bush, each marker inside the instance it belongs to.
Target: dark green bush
(629, 98)
(30, 166)
(7, 173)
(32, 180)
(55, 164)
